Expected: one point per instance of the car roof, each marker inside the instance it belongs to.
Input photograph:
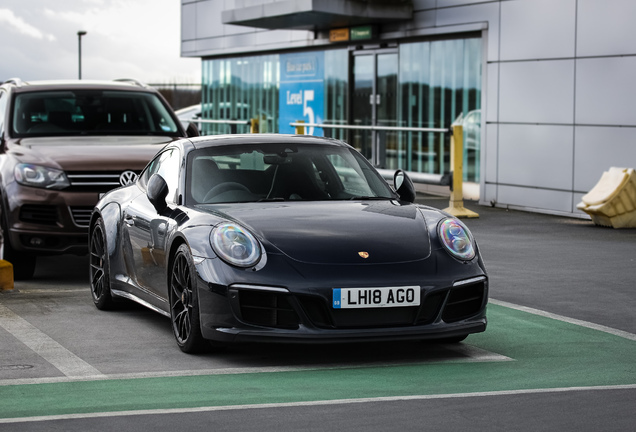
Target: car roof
(124, 85)
(238, 139)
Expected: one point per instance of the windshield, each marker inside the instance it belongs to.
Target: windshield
(281, 172)
(90, 112)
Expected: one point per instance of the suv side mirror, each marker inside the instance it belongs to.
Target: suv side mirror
(157, 191)
(192, 130)
(404, 186)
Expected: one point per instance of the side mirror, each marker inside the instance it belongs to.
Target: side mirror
(192, 130)
(157, 191)
(404, 186)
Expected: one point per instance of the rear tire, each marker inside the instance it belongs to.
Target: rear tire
(99, 268)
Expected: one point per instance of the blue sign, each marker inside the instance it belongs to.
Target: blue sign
(302, 91)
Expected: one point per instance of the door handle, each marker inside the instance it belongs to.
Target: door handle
(129, 220)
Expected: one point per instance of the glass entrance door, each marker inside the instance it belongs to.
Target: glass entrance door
(374, 103)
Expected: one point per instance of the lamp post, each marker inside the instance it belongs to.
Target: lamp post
(79, 42)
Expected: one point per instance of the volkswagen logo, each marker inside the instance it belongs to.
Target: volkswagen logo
(127, 177)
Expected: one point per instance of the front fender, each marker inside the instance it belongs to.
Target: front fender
(111, 215)
(198, 238)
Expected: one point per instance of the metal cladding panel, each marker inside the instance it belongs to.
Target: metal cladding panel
(551, 24)
(537, 92)
(605, 91)
(486, 12)
(533, 198)
(492, 92)
(188, 21)
(605, 27)
(536, 155)
(597, 149)
(491, 153)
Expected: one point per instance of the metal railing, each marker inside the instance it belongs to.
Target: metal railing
(301, 124)
(417, 177)
(231, 123)
(454, 179)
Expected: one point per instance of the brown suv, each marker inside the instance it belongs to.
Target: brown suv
(62, 145)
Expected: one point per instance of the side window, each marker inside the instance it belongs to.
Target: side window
(167, 165)
(149, 171)
(169, 169)
(3, 110)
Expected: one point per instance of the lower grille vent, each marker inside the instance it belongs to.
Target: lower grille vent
(39, 214)
(464, 302)
(268, 309)
(81, 215)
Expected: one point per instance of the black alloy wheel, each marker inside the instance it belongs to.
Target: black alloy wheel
(184, 305)
(99, 268)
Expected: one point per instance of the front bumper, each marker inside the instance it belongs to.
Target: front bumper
(46, 222)
(300, 310)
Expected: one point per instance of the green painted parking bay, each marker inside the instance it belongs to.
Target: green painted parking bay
(542, 352)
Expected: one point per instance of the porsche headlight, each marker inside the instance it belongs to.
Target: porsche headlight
(235, 245)
(456, 239)
(40, 176)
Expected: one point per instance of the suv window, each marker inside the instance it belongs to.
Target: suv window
(90, 112)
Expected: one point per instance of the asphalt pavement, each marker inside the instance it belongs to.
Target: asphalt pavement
(563, 265)
(557, 355)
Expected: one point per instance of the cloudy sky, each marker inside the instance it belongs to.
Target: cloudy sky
(125, 39)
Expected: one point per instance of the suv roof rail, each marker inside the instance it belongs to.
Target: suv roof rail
(16, 81)
(132, 81)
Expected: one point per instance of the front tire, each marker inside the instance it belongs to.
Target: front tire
(184, 303)
(100, 268)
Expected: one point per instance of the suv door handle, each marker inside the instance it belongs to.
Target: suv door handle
(129, 220)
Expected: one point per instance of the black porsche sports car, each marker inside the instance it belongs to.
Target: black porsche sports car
(284, 238)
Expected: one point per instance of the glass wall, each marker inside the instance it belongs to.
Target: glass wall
(439, 81)
(240, 89)
(419, 84)
(336, 91)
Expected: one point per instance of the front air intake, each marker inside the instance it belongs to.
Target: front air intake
(464, 301)
(267, 309)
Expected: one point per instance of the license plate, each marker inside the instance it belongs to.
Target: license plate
(349, 298)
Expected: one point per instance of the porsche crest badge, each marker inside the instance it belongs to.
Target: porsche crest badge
(363, 254)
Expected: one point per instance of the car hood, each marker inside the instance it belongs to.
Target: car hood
(336, 232)
(89, 153)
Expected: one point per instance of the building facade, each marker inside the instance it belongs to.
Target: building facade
(542, 87)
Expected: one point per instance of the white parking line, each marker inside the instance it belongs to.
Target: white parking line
(456, 353)
(51, 351)
(569, 320)
(314, 403)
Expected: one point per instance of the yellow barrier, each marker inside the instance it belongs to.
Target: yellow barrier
(254, 127)
(300, 130)
(6, 276)
(456, 204)
(612, 201)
